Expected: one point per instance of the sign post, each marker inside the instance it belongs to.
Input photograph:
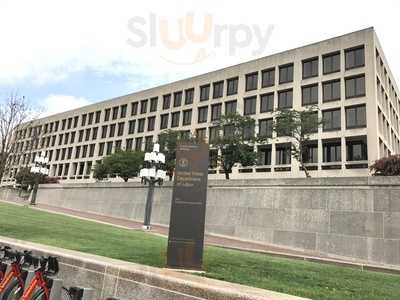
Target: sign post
(188, 208)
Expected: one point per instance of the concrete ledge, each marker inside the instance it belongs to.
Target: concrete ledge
(115, 278)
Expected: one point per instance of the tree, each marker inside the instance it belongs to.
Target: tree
(386, 166)
(14, 114)
(25, 178)
(125, 164)
(168, 141)
(298, 125)
(233, 137)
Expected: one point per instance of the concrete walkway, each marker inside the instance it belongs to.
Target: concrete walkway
(213, 240)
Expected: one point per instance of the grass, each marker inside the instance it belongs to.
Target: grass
(306, 279)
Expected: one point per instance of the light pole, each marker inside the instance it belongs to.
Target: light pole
(152, 173)
(39, 168)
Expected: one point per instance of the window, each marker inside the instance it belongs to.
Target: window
(143, 106)
(141, 125)
(153, 104)
(70, 122)
(214, 134)
(109, 148)
(189, 95)
(134, 108)
(73, 136)
(112, 130)
(232, 86)
(267, 102)
(283, 156)
(120, 129)
(331, 119)
(204, 92)
(177, 99)
(75, 123)
(218, 89)
(187, 117)
(265, 128)
(356, 117)
(77, 152)
(83, 123)
(310, 121)
(356, 150)
(115, 112)
(164, 121)
(104, 131)
(285, 99)
(150, 123)
(268, 78)
(91, 150)
(166, 101)
(118, 145)
(97, 118)
(201, 134)
(248, 132)
(332, 151)
(148, 143)
(264, 154)
(202, 114)
(80, 138)
(230, 107)
(309, 94)
(94, 133)
(216, 112)
(138, 144)
(251, 81)
(129, 144)
(250, 105)
(355, 86)
(310, 153)
(107, 114)
(354, 57)
(310, 68)
(286, 73)
(131, 126)
(175, 119)
(331, 63)
(123, 111)
(331, 90)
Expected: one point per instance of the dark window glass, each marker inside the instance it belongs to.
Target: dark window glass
(187, 117)
(310, 68)
(331, 90)
(62, 125)
(252, 81)
(267, 102)
(123, 111)
(310, 153)
(250, 105)
(107, 114)
(112, 130)
(129, 144)
(216, 112)
(355, 86)
(175, 119)
(143, 106)
(150, 123)
(141, 125)
(202, 114)
(101, 149)
(268, 78)
(264, 155)
(134, 108)
(83, 123)
(285, 99)
(354, 57)
(94, 133)
(164, 121)
(104, 131)
(153, 104)
(332, 151)
(232, 86)
(356, 117)
(189, 95)
(331, 119)
(73, 137)
(218, 89)
(80, 138)
(283, 155)
(75, 123)
(121, 129)
(132, 125)
(109, 148)
(265, 128)
(177, 99)
(214, 134)
(201, 134)
(115, 112)
(91, 150)
(357, 150)
(230, 107)
(204, 92)
(309, 94)
(90, 120)
(97, 118)
(138, 144)
(286, 73)
(166, 101)
(70, 122)
(148, 143)
(331, 63)
(248, 132)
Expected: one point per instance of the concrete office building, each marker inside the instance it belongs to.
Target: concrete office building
(347, 77)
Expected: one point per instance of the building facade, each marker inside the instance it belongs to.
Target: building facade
(346, 77)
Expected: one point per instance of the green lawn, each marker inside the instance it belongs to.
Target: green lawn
(312, 280)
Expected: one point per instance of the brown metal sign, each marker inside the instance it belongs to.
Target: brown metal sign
(188, 208)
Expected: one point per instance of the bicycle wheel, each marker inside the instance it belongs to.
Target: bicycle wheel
(65, 295)
(37, 295)
(13, 291)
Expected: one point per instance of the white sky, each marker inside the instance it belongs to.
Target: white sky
(44, 43)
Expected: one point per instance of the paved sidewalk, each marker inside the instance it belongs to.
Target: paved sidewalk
(214, 240)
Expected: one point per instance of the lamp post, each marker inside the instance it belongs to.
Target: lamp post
(152, 173)
(39, 168)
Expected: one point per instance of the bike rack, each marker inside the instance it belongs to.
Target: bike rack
(81, 293)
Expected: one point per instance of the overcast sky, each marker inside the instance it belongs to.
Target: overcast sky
(65, 54)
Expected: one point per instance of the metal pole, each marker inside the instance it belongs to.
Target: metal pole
(34, 191)
(149, 205)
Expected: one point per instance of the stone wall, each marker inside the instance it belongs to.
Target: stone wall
(352, 218)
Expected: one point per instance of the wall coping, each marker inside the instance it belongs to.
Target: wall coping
(197, 286)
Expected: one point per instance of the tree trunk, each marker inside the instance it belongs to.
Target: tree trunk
(305, 170)
(226, 171)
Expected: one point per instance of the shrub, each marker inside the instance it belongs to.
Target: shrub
(386, 166)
